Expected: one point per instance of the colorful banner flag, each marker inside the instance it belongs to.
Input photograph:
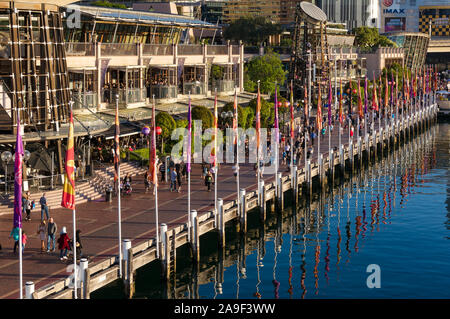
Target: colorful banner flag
(330, 100)
(275, 123)
(291, 104)
(360, 108)
(386, 94)
(214, 150)
(235, 118)
(116, 147)
(366, 95)
(341, 111)
(68, 196)
(374, 95)
(18, 164)
(319, 111)
(153, 170)
(189, 141)
(258, 119)
(305, 98)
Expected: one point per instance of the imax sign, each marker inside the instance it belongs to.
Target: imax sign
(395, 11)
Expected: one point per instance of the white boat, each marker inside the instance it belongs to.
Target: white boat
(443, 101)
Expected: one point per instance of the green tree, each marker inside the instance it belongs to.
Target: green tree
(108, 4)
(268, 69)
(204, 114)
(267, 112)
(367, 38)
(216, 72)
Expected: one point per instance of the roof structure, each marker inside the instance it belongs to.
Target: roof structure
(112, 14)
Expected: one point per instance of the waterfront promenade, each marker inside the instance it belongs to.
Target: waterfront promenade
(98, 221)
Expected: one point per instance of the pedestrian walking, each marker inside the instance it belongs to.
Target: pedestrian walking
(146, 181)
(178, 171)
(208, 180)
(52, 228)
(78, 244)
(63, 244)
(42, 232)
(44, 207)
(15, 235)
(28, 207)
(173, 180)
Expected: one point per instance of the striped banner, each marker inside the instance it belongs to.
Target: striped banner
(68, 196)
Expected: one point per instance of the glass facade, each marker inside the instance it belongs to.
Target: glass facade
(33, 69)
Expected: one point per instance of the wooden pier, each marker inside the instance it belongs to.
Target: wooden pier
(317, 174)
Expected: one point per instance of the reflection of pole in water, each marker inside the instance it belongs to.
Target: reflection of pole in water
(291, 230)
(364, 204)
(338, 259)
(327, 255)
(303, 265)
(275, 283)
(317, 252)
(257, 294)
(347, 226)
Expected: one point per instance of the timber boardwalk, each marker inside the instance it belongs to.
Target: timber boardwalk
(98, 220)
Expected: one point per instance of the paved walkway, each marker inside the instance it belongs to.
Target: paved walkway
(98, 222)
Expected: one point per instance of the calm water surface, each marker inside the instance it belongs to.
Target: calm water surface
(395, 214)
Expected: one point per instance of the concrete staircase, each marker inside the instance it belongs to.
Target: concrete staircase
(90, 190)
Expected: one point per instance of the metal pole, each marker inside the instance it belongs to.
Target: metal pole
(119, 202)
(74, 249)
(257, 159)
(156, 189)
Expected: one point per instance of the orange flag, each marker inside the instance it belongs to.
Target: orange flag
(319, 112)
(68, 197)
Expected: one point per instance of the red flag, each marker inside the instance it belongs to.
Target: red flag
(68, 196)
(258, 118)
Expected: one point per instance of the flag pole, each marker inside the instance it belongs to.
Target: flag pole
(18, 198)
(257, 146)
(237, 146)
(119, 204)
(277, 134)
(291, 105)
(188, 153)
(215, 151)
(156, 187)
(74, 240)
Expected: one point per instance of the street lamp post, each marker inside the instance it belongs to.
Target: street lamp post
(6, 157)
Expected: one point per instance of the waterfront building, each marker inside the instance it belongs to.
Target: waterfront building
(94, 56)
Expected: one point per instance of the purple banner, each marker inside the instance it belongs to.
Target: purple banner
(275, 124)
(18, 178)
(366, 95)
(188, 160)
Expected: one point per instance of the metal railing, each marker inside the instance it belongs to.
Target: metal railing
(190, 49)
(83, 101)
(194, 87)
(118, 49)
(163, 91)
(157, 49)
(217, 50)
(79, 49)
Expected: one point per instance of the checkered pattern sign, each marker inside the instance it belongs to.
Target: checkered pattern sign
(440, 24)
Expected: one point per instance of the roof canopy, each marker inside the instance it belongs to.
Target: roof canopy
(112, 14)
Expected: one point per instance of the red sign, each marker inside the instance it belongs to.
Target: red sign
(388, 3)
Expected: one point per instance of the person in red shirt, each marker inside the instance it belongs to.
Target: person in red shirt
(63, 244)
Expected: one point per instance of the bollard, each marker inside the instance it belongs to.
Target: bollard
(221, 223)
(194, 236)
(243, 213)
(331, 165)
(280, 190)
(127, 272)
(29, 290)
(164, 256)
(262, 207)
(84, 278)
(295, 182)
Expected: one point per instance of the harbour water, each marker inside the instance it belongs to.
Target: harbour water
(394, 213)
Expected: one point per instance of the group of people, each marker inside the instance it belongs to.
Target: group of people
(47, 231)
